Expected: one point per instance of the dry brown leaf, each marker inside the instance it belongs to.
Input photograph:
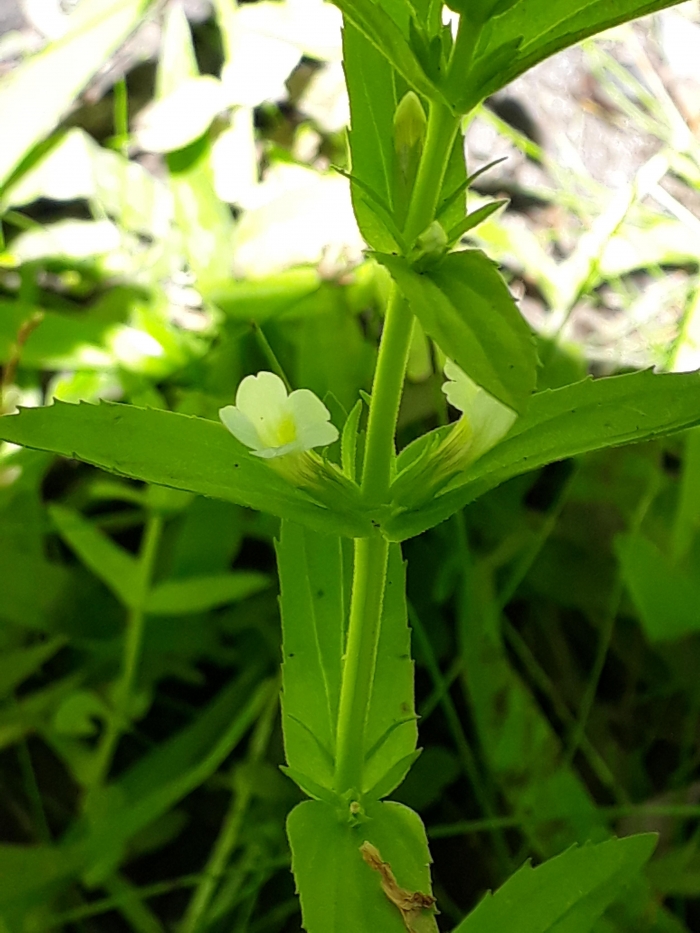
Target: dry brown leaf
(410, 904)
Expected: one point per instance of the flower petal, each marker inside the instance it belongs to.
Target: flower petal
(460, 390)
(491, 420)
(241, 427)
(262, 398)
(312, 419)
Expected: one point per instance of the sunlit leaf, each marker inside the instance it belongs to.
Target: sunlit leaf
(562, 423)
(58, 73)
(465, 306)
(172, 450)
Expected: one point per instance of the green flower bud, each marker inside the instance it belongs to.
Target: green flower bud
(410, 124)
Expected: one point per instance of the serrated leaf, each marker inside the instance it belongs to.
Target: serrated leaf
(315, 580)
(372, 94)
(313, 601)
(339, 892)
(566, 894)
(465, 306)
(392, 732)
(532, 31)
(562, 423)
(174, 450)
(382, 31)
(199, 594)
(57, 74)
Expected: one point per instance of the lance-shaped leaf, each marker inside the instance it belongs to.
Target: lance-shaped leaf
(465, 306)
(117, 568)
(531, 31)
(175, 450)
(561, 423)
(314, 611)
(567, 894)
(315, 578)
(340, 892)
(372, 93)
(392, 731)
(383, 31)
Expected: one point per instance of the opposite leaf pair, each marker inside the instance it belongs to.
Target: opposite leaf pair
(283, 428)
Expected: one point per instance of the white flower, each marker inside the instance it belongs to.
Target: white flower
(484, 419)
(446, 456)
(272, 423)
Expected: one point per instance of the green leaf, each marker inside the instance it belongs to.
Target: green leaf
(375, 23)
(541, 29)
(371, 84)
(474, 219)
(465, 306)
(161, 778)
(520, 747)
(315, 582)
(117, 569)
(30, 585)
(665, 596)
(339, 892)
(199, 594)
(452, 202)
(56, 75)
(16, 666)
(314, 611)
(349, 441)
(562, 423)
(27, 872)
(567, 894)
(174, 450)
(391, 732)
(393, 777)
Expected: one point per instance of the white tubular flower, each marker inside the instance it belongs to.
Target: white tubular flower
(484, 422)
(484, 419)
(274, 424)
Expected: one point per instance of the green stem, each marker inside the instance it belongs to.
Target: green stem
(371, 554)
(386, 398)
(361, 651)
(440, 137)
(132, 650)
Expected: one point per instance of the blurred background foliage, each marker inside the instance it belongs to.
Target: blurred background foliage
(183, 226)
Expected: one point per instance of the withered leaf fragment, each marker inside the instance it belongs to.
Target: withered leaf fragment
(410, 904)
